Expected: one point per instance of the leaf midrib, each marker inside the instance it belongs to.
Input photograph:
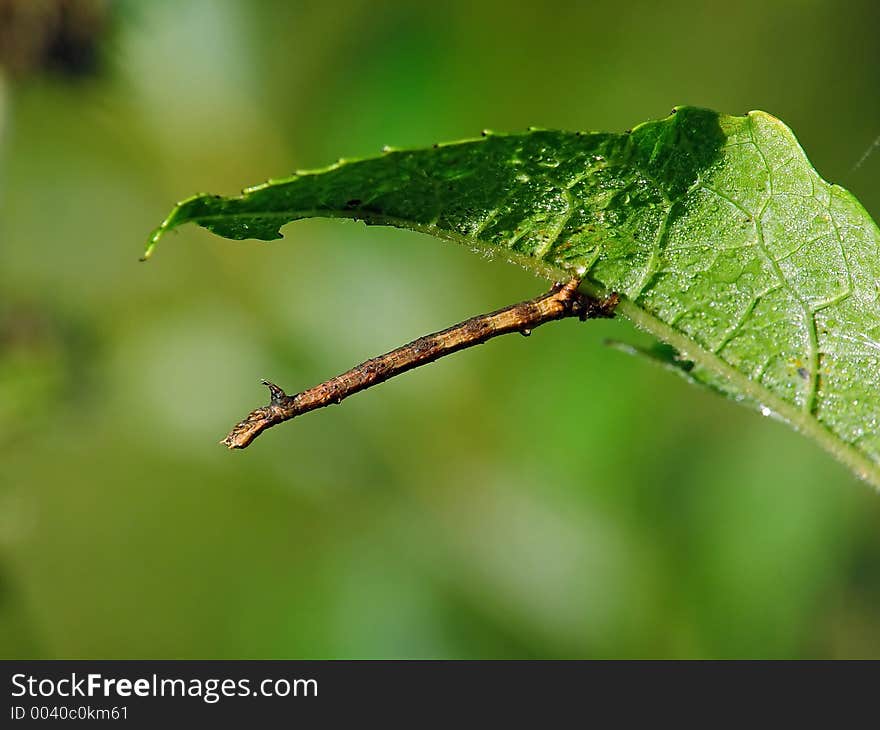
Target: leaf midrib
(799, 419)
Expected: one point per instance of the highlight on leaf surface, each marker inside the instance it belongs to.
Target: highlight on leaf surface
(719, 235)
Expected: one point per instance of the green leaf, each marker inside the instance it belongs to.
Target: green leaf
(720, 236)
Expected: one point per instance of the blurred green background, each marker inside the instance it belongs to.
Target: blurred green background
(532, 498)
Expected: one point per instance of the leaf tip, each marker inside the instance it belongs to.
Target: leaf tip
(180, 213)
(151, 243)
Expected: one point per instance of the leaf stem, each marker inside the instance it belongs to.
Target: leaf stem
(562, 301)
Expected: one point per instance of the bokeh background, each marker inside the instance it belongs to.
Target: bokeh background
(535, 498)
